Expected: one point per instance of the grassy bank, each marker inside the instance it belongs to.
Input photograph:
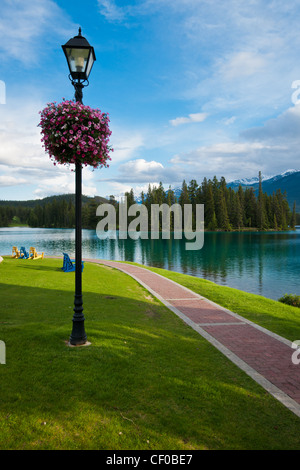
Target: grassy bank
(147, 381)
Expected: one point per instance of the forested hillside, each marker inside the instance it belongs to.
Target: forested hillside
(224, 207)
(54, 211)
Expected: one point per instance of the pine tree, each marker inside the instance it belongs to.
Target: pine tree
(210, 219)
(261, 214)
(213, 225)
(192, 191)
(171, 197)
(250, 207)
(293, 218)
(238, 212)
(184, 196)
(223, 221)
(160, 194)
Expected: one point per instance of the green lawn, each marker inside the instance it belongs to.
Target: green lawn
(148, 381)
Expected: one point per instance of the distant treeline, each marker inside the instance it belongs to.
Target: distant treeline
(227, 209)
(224, 208)
(51, 212)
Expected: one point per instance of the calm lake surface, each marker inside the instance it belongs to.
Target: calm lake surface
(265, 263)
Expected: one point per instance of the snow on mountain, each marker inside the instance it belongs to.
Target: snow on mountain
(255, 179)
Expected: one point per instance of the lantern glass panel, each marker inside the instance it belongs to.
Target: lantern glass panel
(77, 59)
(90, 64)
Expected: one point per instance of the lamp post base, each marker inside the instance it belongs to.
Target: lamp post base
(78, 335)
(87, 343)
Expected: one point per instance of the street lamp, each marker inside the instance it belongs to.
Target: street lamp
(80, 57)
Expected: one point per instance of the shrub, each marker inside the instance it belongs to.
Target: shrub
(290, 299)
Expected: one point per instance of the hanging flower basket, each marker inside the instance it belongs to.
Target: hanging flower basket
(75, 133)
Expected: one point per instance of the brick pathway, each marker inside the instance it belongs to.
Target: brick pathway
(266, 357)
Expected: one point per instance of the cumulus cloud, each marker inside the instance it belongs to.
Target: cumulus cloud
(139, 171)
(141, 166)
(7, 180)
(198, 117)
(285, 128)
(63, 182)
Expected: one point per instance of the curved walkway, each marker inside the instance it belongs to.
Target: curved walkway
(263, 355)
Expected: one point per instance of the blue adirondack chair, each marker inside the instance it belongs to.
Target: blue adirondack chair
(69, 264)
(23, 253)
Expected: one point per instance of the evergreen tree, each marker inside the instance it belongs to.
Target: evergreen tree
(160, 195)
(192, 191)
(210, 219)
(293, 218)
(223, 221)
(171, 199)
(261, 213)
(238, 212)
(250, 208)
(184, 196)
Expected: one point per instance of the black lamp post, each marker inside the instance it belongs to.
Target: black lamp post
(80, 56)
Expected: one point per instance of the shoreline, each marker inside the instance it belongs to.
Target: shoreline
(234, 230)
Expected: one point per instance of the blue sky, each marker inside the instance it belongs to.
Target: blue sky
(193, 88)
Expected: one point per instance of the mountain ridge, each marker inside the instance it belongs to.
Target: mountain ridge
(255, 179)
(288, 181)
(31, 203)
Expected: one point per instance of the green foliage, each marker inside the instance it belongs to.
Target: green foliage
(290, 299)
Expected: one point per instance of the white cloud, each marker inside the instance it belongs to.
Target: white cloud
(229, 121)
(198, 117)
(22, 24)
(242, 64)
(110, 10)
(20, 140)
(63, 182)
(141, 172)
(284, 129)
(7, 180)
(140, 166)
(125, 144)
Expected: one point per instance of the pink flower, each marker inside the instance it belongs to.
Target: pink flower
(66, 138)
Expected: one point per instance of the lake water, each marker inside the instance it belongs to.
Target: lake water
(265, 263)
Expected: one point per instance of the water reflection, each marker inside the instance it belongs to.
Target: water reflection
(262, 263)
